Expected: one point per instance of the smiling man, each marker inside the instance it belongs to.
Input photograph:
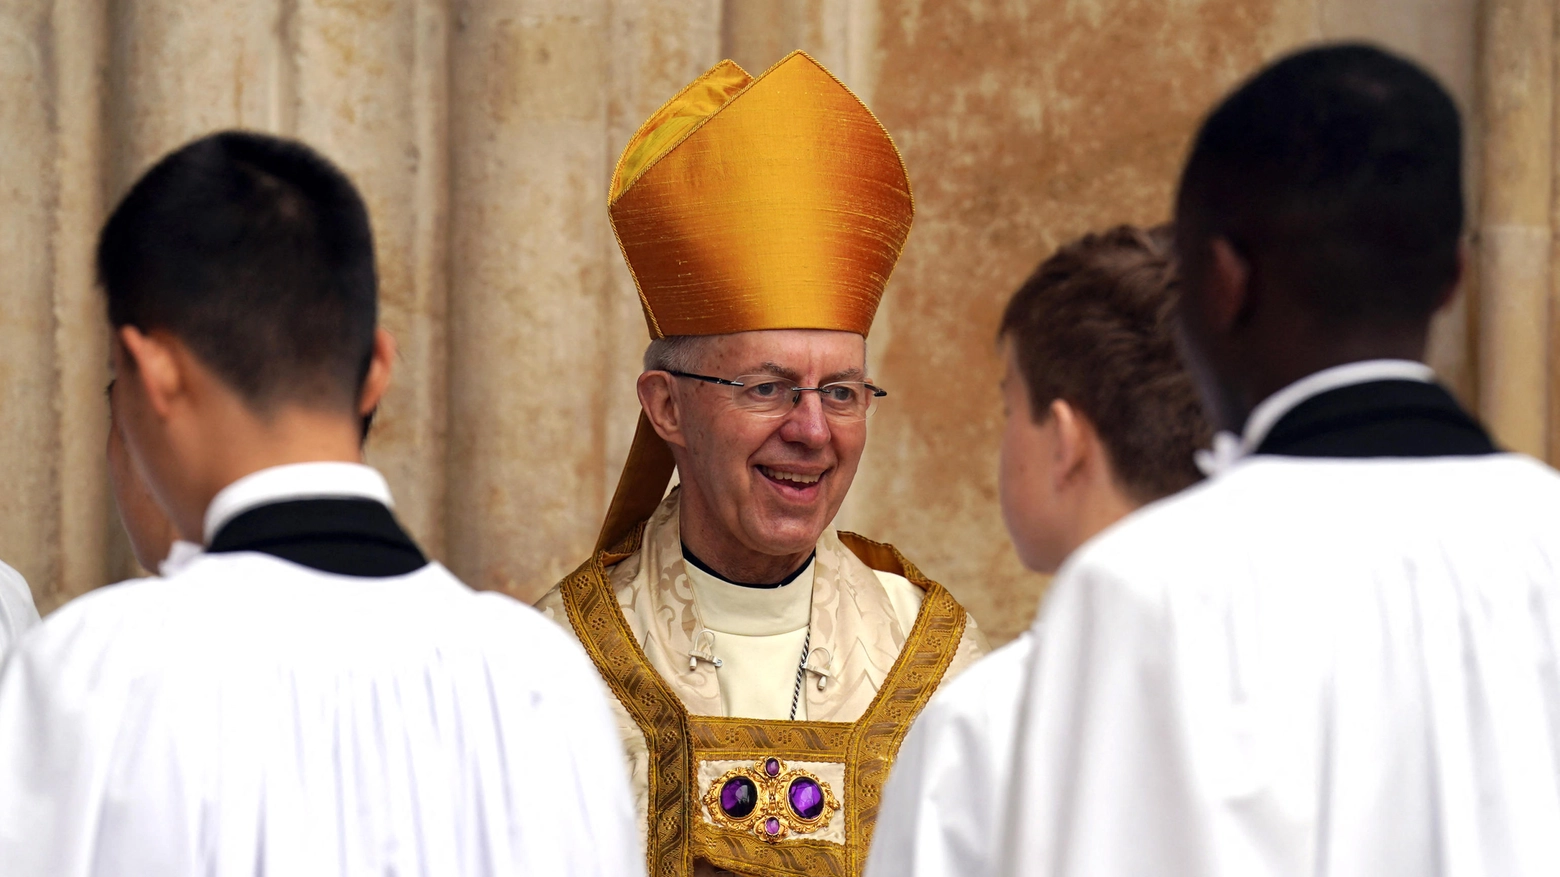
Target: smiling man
(765, 667)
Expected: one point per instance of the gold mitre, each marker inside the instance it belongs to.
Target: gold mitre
(770, 203)
(743, 204)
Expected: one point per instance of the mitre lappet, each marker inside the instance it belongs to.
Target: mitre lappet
(776, 202)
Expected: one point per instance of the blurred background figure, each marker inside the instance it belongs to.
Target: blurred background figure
(1337, 655)
(305, 693)
(1101, 418)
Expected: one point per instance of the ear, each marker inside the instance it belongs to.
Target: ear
(153, 365)
(658, 399)
(1071, 449)
(1229, 285)
(378, 378)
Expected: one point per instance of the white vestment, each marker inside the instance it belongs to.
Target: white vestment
(17, 612)
(1305, 666)
(244, 715)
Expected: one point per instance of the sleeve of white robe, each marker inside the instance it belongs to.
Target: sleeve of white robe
(17, 612)
(1099, 775)
(937, 815)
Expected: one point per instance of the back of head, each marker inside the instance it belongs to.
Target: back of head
(256, 253)
(1337, 173)
(1093, 326)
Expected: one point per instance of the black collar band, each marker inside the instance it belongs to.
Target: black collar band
(704, 567)
(1390, 418)
(352, 537)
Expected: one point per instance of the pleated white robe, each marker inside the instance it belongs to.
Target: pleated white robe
(1340, 667)
(249, 716)
(18, 614)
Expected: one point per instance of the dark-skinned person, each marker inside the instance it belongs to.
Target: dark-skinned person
(764, 666)
(1337, 655)
(1101, 418)
(306, 694)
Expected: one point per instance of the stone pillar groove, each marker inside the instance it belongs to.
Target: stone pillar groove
(528, 117)
(1515, 246)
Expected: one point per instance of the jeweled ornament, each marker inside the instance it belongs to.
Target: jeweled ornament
(738, 797)
(806, 798)
(771, 800)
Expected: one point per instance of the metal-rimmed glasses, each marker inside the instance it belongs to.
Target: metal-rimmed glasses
(771, 396)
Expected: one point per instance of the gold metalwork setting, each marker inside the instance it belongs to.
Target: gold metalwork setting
(774, 800)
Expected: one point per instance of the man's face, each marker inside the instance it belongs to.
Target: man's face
(1027, 483)
(771, 484)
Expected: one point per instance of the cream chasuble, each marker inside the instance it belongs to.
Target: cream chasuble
(859, 618)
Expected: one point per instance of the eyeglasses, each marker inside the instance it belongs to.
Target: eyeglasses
(769, 396)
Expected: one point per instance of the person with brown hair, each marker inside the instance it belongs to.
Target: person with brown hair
(1101, 415)
(1101, 418)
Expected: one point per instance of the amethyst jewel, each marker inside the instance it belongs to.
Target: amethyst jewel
(738, 797)
(806, 798)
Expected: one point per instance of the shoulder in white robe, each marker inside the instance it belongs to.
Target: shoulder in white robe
(1302, 667)
(249, 716)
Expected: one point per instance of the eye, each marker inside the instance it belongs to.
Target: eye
(843, 394)
(765, 390)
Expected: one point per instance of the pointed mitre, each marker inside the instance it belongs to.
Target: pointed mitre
(771, 203)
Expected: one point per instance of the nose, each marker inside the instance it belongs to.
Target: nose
(806, 424)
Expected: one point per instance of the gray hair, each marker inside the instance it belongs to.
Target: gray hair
(675, 353)
(680, 353)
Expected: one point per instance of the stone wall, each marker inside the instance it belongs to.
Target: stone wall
(483, 133)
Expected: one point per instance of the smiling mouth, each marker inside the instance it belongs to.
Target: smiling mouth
(791, 479)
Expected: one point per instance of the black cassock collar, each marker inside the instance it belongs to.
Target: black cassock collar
(1388, 418)
(352, 537)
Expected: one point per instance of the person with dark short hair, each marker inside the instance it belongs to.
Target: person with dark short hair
(1101, 419)
(1337, 655)
(306, 693)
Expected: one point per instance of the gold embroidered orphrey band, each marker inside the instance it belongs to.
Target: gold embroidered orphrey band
(677, 742)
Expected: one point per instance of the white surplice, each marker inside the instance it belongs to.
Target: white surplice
(1303, 666)
(18, 614)
(244, 715)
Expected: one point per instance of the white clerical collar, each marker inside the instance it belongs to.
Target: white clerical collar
(294, 481)
(1227, 448)
(727, 608)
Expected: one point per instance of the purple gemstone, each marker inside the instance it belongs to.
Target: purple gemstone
(738, 797)
(772, 826)
(806, 798)
(772, 767)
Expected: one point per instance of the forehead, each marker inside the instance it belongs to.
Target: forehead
(800, 350)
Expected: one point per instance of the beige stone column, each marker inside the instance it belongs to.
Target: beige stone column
(29, 179)
(528, 117)
(1516, 111)
(368, 87)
